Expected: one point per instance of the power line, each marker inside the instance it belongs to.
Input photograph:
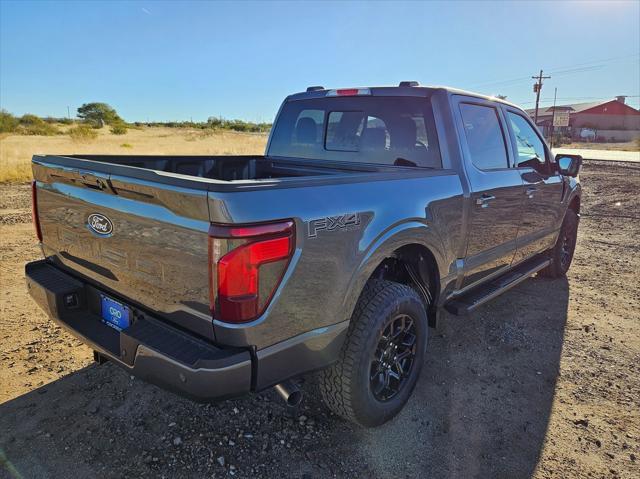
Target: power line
(605, 60)
(546, 100)
(562, 70)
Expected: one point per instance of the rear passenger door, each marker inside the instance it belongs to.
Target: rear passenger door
(496, 189)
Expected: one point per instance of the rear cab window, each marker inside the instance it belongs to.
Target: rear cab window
(308, 131)
(396, 131)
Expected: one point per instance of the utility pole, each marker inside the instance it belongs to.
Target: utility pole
(553, 117)
(68, 113)
(537, 87)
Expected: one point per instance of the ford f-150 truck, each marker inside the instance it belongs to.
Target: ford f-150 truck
(371, 211)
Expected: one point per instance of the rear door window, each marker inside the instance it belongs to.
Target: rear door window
(484, 135)
(382, 130)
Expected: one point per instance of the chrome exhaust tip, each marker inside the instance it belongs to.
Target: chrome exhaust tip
(290, 393)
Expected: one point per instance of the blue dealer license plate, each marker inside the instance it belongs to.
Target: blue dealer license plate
(114, 314)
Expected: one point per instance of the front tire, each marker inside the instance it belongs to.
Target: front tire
(562, 253)
(382, 356)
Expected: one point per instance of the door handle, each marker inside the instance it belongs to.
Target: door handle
(483, 201)
(530, 192)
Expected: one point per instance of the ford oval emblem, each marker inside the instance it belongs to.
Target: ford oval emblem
(100, 224)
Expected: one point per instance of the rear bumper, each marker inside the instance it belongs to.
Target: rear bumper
(149, 348)
(171, 358)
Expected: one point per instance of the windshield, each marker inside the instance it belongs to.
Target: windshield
(382, 130)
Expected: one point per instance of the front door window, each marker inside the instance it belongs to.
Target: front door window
(529, 147)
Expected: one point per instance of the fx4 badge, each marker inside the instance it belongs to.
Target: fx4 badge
(344, 222)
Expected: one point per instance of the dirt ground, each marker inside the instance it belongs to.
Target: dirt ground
(542, 382)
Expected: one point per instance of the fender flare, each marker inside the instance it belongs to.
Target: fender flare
(575, 192)
(392, 239)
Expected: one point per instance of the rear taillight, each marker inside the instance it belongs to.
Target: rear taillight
(246, 265)
(34, 210)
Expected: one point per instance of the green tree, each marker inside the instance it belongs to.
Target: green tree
(98, 114)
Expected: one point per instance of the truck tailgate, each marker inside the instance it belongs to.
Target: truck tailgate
(144, 242)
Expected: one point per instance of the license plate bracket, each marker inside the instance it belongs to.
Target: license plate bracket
(114, 313)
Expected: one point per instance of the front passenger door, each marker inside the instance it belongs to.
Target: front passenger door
(543, 186)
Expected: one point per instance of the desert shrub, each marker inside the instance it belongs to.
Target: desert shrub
(237, 125)
(8, 122)
(126, 145)
(34, 125)
(119, 129)
(15, 172)
(44, 129)
(61, 121)
(29, 119)
(83, 133)
(216, 123)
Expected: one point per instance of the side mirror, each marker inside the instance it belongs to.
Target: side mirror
(569, 165)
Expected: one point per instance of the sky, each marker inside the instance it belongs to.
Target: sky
(161, 61)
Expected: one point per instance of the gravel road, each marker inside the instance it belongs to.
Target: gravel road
(543, 382)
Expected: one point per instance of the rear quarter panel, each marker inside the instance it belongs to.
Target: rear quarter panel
(331, 265)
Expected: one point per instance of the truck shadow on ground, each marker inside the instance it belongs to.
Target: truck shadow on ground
(482, 406)
(480, 409)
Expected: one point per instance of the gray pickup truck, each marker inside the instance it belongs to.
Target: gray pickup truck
(371, 211)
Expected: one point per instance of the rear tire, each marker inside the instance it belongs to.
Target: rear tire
(382, 356)
(562, 253)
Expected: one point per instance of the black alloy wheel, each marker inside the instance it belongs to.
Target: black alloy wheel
(393, 358)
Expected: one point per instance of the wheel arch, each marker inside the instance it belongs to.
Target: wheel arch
(415, 266)
(411, 255)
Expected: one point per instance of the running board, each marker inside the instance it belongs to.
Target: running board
(468, 302)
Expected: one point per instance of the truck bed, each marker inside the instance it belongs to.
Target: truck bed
(209, 173)
(229, 168)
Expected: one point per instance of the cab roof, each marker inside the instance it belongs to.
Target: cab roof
(405, 88)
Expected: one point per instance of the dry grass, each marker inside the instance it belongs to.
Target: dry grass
(622, 146)
(16, 150)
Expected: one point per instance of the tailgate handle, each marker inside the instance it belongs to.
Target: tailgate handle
(85, 179)
(91, 181)
(98, 185)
